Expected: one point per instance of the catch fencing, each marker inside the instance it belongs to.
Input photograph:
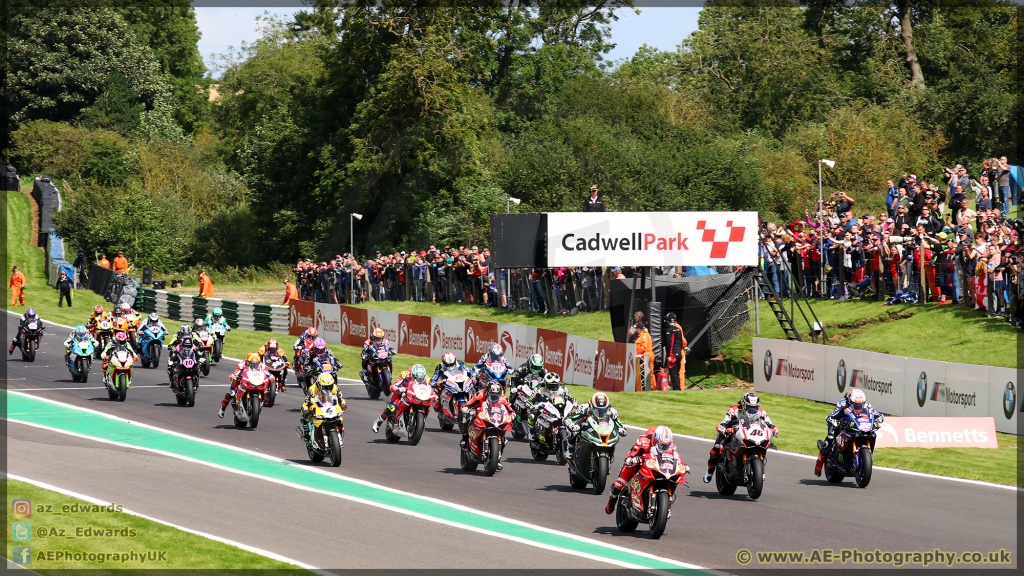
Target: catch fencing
(895, 385)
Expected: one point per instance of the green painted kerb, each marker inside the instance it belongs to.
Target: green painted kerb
(28, 409)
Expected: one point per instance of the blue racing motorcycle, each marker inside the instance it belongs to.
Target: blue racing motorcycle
(850, 454)
(79, 358)
(151, 343)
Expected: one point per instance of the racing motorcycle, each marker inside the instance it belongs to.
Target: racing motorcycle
(118, 377)
(277, 365)
(217, 351)
(317, 368)
(649, 495)
(594, 449)
(325, 429)
(486, 438)
(204, 340)
(456, 389)
(549, 428)
(377, 376)
(520, 401)
(742, 460)
(79, 359)
(492, 372)
(104, 332)
(185, 377)
(248, 400)
(151, 344)
(418, 398)
(851, 452)
(30, 342)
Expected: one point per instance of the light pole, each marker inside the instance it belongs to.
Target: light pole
(821, 223)
(352, 254)
(509, 202)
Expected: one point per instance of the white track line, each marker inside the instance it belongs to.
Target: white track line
(91, 500)
(422, 516)
(898, 470)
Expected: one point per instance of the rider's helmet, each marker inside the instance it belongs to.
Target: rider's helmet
(319, 346)
(552, 381)
(126, 308)
(448, 361)
(750, 403)
(663, 438)
(30, 313)
(324, 381)
(185, 331)
(418, 372)
(600, 404)
(217, 312)
(98, 310)
(858, 400)
(121, 337)
(252, 361)
(378, 335)
(311, 332)
(536, 363)
(81, 329)
(200, 324)
(154, 318)
(495, 353)
(494, 393)
(272, 344)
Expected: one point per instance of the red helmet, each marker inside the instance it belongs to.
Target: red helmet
(98, 309)
(311, 332)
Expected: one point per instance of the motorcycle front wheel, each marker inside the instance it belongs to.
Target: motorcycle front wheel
(493, 455)
(206, 365)
(83, 370)
(217, 350)
(622, 519)
(600, 474)
(416, 430)
(334, 441)
(660, 515)
(254, 410)
(122, 387)
(190, 392)
(30, 352)
(755, 481)
(863, 476)
(154, 355)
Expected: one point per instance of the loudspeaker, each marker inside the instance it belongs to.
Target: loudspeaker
(175, 283)
(147, 276)
(160, 285)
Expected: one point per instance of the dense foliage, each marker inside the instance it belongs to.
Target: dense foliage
(426, 117)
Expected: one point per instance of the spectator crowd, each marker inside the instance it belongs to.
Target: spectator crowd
(948, 242)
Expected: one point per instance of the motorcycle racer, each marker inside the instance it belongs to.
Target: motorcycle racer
(120, 340)
(156, 325)
(656, 437)
(543, 394)
(370, 347)
(251, 364)
(174, 351)
(750, 403)
(97, 316)
(184, 331)
(534, 366)
(494, 395)
(322, 355)
(396, 407)
(217, 317)
(599, 405)
(324, 382)
(80, 333)
(302, 344)
(493, 355)
(857, 401)
(448, 363)
(29, 316)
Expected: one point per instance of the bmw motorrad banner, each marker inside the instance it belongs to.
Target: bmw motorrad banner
(895, 385)
(652, 239)
(953, 432)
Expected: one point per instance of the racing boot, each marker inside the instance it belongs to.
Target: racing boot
(822, 448)
(220, 413)
(616, 488)
(377, 424)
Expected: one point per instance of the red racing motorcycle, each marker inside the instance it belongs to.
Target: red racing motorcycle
(649, 495)
(418, 398)
(486, 438)
(249, 395)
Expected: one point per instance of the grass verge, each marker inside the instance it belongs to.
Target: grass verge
(155, 545)
(801, 423)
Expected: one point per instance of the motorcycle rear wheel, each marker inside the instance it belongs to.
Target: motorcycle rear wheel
(416, 430)
(389, 433)
(313, 455)
(537, 455)
(755, 482)
(576, 481)
(234, 415)
(271, 394)
(833, 475)
(493, 455)
(725, 488)
(863, 477)
(467, 463)
(334, 441)
(518, 430)
(622, 520)
(662, 505)
(443, 422)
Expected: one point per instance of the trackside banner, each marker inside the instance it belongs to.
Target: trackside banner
(895, 385)
(652, 239)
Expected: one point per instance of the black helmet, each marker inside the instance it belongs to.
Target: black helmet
(536, 363)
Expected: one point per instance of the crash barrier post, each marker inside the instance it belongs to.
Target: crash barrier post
(895, 385)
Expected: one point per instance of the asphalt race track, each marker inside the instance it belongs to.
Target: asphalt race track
(797, 511)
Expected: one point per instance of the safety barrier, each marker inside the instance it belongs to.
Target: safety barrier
(240, 315)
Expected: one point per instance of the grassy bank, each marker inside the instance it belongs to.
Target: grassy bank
(162, 546)
(801, 423)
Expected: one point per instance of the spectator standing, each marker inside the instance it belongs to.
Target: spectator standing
(120, 264)
(205, 286)
(80, 265)
(17, 286)
(1003, 181)
(675, 343)
(64, 286)
(985, 203)
(594, 203)
(644, 349)
(103, 263)
(891, 198)
(290, 292)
